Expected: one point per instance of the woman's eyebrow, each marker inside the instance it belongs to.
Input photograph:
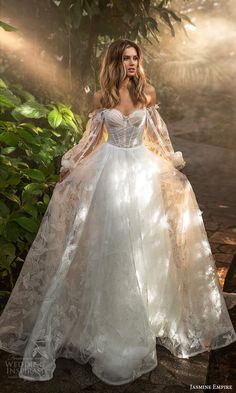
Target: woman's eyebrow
(130, 56)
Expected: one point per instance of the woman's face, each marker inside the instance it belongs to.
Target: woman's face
(130, 61)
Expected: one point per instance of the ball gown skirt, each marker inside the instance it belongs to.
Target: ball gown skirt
(121, 262)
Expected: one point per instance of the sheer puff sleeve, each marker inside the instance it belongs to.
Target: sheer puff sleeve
(92, 137)
(157, 138)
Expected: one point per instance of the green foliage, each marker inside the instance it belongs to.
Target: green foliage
(32, 138)
(7, 27)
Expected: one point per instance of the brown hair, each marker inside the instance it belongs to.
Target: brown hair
(113, 72)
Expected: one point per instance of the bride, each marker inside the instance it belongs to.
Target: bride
(121, 260)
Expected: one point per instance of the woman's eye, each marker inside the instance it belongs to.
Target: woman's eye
(126, 58)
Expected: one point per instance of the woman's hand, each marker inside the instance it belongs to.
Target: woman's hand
(63, 174)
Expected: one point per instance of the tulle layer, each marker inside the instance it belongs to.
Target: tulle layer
(121, 260)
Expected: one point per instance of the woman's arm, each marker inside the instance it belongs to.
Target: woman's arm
(90, 139)
(158, 134)
(97, 100)
(151, 95)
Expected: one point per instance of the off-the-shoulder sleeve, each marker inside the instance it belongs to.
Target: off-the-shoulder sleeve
(91, 138)
(158, 138)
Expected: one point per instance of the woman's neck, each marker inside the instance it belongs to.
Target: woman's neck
(124, 84)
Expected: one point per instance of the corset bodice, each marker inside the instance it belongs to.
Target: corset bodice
(125, 131)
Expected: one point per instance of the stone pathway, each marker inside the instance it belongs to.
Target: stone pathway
(172, 375)
(211, 173)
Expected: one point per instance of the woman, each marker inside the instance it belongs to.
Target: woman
(121, 259)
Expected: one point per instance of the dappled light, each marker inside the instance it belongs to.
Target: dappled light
(222, 271)
(37, 62)
(206, 57)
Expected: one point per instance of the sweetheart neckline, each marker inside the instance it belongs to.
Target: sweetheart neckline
(117, 110)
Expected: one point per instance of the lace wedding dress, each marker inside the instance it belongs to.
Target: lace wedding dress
(121, 260)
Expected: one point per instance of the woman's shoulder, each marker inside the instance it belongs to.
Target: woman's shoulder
(149, 88)
(150, 92)
(97, 99)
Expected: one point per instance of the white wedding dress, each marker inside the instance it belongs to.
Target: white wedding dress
(121, 261)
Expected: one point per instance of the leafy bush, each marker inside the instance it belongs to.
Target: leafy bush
(33, 138)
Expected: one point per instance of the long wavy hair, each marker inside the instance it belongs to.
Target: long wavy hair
(113, 72)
